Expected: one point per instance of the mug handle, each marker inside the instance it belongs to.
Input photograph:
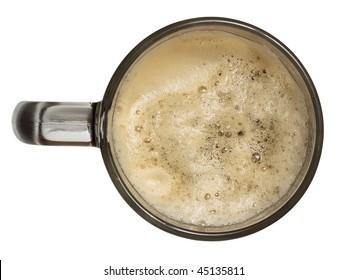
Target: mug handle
(56, 123)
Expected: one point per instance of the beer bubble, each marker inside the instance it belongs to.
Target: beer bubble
(255, 157)
(228, 134)
(202, 89)
(203, 224)
(207, 196)
(138, 112)
(221, 133)
(240, 133)
(224, 150)
(213, 211)
(216, 194)
(147, 140)
(177, 208)
(138, 128)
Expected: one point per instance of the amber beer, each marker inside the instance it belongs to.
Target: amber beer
(210, 128)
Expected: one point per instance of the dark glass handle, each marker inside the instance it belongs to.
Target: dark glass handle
(56, 123)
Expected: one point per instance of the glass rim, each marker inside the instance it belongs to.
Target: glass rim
(112, 168)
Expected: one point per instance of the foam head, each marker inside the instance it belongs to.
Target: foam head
(211, 130)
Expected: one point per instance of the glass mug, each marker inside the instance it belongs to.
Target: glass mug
(97, 125)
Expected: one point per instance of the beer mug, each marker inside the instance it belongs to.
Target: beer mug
(210, 128)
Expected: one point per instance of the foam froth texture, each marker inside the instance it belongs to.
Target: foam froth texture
(210, 128)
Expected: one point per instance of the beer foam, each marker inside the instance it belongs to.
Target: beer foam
(210, 128)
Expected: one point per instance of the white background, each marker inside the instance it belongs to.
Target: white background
(61, 217)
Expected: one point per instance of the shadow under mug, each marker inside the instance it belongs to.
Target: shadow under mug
(88, 124)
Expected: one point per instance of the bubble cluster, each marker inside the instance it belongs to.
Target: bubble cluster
(254, 74)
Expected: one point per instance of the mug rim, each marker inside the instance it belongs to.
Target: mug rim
(117, 78)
